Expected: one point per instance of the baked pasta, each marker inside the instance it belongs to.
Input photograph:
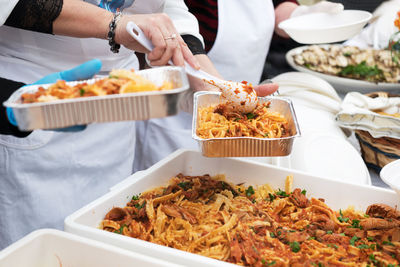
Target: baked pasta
(258, 226)
(221, 121)
(118, 82)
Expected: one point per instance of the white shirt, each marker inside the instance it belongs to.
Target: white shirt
(7, 7)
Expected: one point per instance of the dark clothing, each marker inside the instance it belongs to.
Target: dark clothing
(7, 88)
(35, 15)
(206, 12)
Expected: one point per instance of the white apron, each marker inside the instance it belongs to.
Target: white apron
(38, 54)
(244, 33)
(48, 175)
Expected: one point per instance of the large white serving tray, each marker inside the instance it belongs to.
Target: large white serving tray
(54, 248)
(85, 221)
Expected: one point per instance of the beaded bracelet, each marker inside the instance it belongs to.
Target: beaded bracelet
(114, 47)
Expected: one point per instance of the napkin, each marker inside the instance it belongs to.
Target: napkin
(358, 113)
(310, 90)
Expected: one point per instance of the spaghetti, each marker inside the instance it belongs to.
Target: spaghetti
(258, 226)
(118, 82)
(219, 121)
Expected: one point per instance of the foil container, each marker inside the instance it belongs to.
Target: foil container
(109, 108)
(246, 146)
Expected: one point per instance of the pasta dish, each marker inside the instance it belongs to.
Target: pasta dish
(220, 121)
(118, 82)
(258, 226)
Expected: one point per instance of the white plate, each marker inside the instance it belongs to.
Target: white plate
(54, 248)
(390, 174)
(337, 194)
(342, 85)
(322, 28)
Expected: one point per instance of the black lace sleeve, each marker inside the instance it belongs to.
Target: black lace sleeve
(35, 15)
(194, 44)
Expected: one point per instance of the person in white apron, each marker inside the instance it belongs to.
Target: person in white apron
(47, 175)
(245, 30)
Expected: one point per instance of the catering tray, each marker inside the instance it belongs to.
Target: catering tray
(337, 194)
(246, 146)
(341, 84)
(54, 248)
(118, 107)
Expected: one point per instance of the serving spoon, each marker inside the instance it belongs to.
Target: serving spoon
(241, 96)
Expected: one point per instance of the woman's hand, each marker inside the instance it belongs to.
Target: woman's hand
(159, 29)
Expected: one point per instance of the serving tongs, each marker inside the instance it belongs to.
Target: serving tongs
(227, 88)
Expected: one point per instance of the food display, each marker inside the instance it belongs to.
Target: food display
(220, 120)
(258, 226)
(118, 82)
(350, 62)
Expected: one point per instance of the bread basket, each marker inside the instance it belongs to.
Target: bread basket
(377, 152)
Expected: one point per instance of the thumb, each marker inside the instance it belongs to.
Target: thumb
(266, 89)
(82, 72)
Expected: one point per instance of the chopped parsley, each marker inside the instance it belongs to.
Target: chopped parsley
(304, 192)
(329, 232)
(121, 229)
(271, 197)
(271, 234)
(281, 193)
(311, 238)
(295, 246)
(264, 262)
(82, 92)
(356, 224)
(138, 206)
(341, 218)
(347, 54)
(387, 243)
(135, 197)
(353, 240)
(184, 185)
(250, 116)
(249, 191)
(362, 71)
(333, 246)
(372, 258)
(363, 246)
(370, 238)
(342, 234)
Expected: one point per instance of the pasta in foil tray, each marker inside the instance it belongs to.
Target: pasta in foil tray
(258, 226)
(220, 121)
(118, 82)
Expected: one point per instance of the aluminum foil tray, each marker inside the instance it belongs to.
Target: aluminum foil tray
(119, 107)
(246, 146)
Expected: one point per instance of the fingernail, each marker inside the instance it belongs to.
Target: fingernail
(267, 81)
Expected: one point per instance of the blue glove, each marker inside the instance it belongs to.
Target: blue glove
(82, 72)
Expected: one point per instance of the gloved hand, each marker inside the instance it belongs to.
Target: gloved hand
(82, 72)
(323, 6)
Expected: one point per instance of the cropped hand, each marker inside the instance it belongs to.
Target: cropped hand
(159, 29)
(82, 72)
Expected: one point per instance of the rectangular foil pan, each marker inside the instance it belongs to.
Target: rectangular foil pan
(246, 146)
(109, 108)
